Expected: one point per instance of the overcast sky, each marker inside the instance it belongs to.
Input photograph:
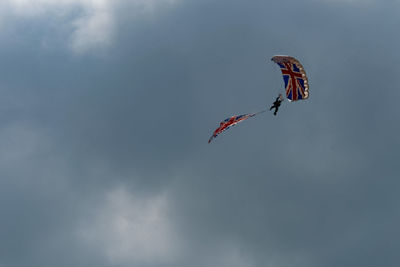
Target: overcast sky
(106, 107)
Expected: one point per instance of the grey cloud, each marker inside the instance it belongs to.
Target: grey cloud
(314, 186)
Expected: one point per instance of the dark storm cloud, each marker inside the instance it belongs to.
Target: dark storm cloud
(314, 186)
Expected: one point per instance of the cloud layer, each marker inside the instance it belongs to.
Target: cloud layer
(89, 24)
(104, 160)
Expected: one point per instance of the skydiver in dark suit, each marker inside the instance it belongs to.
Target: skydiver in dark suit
(277, 104)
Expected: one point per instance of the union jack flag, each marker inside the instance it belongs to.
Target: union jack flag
(229, 122)
(294, 76)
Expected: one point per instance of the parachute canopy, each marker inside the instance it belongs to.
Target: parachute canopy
(294, 76)
(231, 121)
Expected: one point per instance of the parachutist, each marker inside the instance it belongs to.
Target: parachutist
(277, 104)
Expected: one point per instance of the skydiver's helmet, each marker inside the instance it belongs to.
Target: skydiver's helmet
(280, 97)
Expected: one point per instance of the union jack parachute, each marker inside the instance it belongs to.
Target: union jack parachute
(294, 76)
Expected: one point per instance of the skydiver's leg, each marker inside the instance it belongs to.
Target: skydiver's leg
(276, 110)
(271, 107)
